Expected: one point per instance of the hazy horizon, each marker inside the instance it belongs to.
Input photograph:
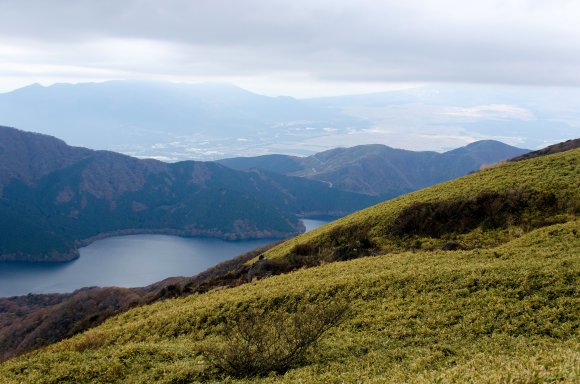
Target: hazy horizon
(209, 121)
(275, 93)
(418, 75)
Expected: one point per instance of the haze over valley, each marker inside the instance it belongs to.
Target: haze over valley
(173, 121)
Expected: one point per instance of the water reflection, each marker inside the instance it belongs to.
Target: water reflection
(125, 261)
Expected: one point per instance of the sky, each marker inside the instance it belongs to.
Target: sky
(300, 48)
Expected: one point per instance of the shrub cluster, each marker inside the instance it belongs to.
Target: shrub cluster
(256, 342)
(343, 243)
(488, 210)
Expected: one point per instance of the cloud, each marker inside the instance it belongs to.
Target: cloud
(295, 42)
(491, 112)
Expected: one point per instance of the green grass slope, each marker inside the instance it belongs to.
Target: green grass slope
(480, 210)
(475, 280)
(509, 314)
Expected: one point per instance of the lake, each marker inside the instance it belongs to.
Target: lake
(126, 261)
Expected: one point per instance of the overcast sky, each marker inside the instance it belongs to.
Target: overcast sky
(297, 47)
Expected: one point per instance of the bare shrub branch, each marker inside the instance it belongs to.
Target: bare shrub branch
(256, 342)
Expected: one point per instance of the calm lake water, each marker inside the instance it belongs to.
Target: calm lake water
(126, 261)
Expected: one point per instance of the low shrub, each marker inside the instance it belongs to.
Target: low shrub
(256, 342)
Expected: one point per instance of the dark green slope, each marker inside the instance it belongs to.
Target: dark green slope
(282, 164)
(381, 170)
(59, 197)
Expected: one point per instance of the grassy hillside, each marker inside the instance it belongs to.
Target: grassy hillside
(505, 315)
(36, 320)
(476, 211)
(506, 308)
(556, 148)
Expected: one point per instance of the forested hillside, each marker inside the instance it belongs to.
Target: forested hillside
(55, 198)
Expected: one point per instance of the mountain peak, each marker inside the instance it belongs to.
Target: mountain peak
(487, 143)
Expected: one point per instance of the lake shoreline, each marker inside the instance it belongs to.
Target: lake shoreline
(132, 260)
(73, 253)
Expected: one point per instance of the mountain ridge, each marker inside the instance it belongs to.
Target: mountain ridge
(555, 148)
(139, 117)
(380, 170)
(173, 121)
(486, 198)
(90, 193)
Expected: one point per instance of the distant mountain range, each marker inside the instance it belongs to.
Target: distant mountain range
(175, 122)
(171, 121)
(379, 170)
(55, 198)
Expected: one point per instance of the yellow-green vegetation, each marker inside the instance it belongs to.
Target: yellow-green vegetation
(523, 195)
(508, 312)
(259, 342)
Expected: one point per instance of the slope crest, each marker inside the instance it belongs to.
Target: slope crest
(484, 209)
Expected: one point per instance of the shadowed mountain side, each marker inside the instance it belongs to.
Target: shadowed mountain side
(56, 198)
(283, 164)
(381, 170)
